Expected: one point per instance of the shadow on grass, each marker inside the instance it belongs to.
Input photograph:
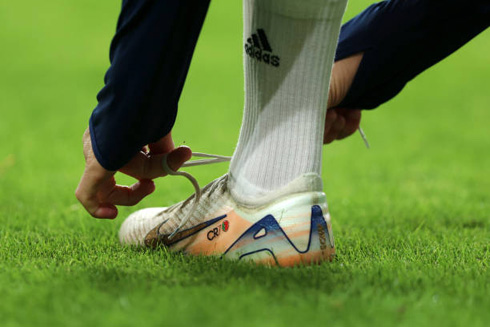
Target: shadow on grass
(159, 266)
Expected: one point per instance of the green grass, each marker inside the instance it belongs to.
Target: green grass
(411, 215)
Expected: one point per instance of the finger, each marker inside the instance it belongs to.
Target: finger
(129, 196)
(176, 158)
(352, 121)
(164, 145)
(336, 128)
(105, 211)
(138, 165)
(144, 166)
(86, 193)
(329, 120)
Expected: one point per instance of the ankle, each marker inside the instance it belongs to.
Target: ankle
(249, 195)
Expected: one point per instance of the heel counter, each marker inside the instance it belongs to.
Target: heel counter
(295, 230)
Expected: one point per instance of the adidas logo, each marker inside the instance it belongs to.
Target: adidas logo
(259, 48)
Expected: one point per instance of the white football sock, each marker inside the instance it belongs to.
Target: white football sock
(289, 52)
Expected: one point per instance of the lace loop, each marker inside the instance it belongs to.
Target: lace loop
(213, 158)
(197, 197)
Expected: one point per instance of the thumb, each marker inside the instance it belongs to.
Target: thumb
(144, 166)
(178, 157)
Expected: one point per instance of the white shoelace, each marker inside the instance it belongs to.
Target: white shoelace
(209, 159)
(364, 138)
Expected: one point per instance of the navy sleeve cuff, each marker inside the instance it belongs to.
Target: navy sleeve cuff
(102, 161)
(402, 38)
(150, 57)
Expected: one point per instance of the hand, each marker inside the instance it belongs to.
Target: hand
(339, 122)
(98, 191)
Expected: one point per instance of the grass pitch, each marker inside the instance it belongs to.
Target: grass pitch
(410, 216)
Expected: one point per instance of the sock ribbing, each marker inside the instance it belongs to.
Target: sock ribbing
(286, 96)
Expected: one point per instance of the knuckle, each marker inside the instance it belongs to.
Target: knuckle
(78, 194)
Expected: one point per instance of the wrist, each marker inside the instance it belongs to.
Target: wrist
(92, 165)
(343, 74)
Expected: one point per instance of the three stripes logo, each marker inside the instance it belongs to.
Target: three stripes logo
(259, 48)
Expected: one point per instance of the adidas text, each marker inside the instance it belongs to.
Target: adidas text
(259, 48)
(262, 56)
